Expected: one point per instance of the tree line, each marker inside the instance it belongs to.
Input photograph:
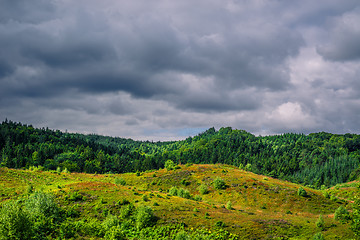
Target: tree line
(315, 159)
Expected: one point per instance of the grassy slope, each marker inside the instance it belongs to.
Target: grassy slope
(263, 207)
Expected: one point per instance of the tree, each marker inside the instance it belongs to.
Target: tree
(145, 217)
(15, 223)
(169, 165)
(342, 215)
(219, 183)
(320, 223)
(302, 192)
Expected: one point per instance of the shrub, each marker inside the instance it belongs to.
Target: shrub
(320, 222)
(203, 189)
(220, 224)
(184, 193)
(326, 194)
(40, 203)
(185, 182)
(114, 233)
(67, 230)
(120, 181)
(248, 167)
(342, 215)
(109, 222)
(29, 189)
(182, 236)
(75, 196)
(127, 210)
(173, 191)
(228, 205)
(219, 183)
(169, 165)
(302, 192)
(14, 222)
(197, 198)
(145, 217)
(318, 236)
(145, 198)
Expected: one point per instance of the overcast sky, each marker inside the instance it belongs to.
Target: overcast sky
(163, 70)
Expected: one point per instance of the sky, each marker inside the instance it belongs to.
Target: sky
(166, 70)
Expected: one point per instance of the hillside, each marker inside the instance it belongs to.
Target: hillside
(316, 160)
(185, 202)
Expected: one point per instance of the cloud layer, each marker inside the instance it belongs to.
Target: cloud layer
(161, 70)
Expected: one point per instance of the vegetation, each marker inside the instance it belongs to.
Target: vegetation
(56, 185)
(92, 206)
(316, 159)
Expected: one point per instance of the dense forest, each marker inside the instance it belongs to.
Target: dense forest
(315, 159)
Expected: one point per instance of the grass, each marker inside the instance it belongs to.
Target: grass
(259, 206)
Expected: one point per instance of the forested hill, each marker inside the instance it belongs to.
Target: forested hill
(316, 159)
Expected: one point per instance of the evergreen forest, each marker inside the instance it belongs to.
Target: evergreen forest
(315, 160)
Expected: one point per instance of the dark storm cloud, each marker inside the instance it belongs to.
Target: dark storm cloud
(34, 11)
(146, 62)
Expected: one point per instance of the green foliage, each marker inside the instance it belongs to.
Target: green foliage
(219, 183)
(29, 189)
(184, 193)
(15, 223)
(42, 204)
(320, 223)
(120, 181)
(169, 165)
(301, 192)
(144, 217)
(318, 236)
(182, 236)
(203, 189)
(145, 198)
(173, 191)
(228, 205)
(342, 215)
(114, 233)
(185, 182)
(220, 224)
(316, 159)
(127, 210)
(110, 222)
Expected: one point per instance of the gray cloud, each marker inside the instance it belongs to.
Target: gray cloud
(344, 38)
(167, 65)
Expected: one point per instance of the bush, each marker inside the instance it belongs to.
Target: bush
(120, 181)
(184, 193)
(14, 222)
(127, 210)
(67, 230)
(114, 233)
(203, 189)
(185, 182)
(302, 192)
(75, 196)
(342, 215)
(326, 194)
(170, 165)
(173, 191)
(109, 222)
(182, 236)
(219, 183)
(228, 205)
(320, 223)
(318, 236)
(40, 203)
(220, 224)
(145, 217)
